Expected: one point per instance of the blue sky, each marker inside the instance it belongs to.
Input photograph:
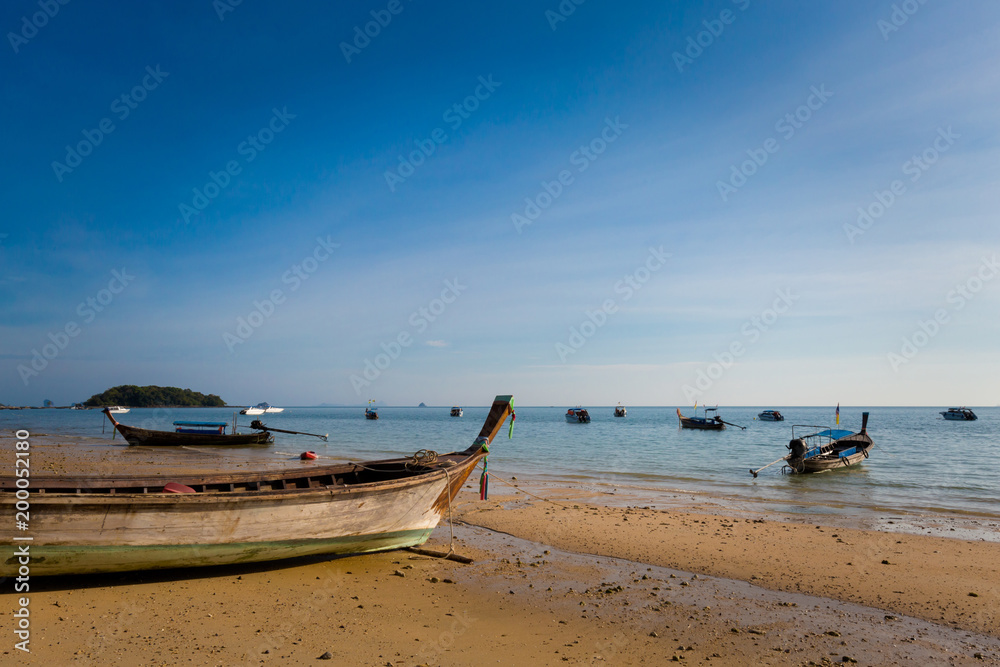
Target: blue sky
(654, 204)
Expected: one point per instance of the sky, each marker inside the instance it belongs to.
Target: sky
(581, 202)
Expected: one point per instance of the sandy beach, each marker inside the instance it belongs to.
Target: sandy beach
(574, 581)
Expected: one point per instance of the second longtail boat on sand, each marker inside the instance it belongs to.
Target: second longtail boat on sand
(188, 433)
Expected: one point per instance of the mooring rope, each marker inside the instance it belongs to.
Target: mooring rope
(529, 493)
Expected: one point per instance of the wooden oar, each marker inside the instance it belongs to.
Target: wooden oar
(257, 425)
(736, 425)
(754, 472)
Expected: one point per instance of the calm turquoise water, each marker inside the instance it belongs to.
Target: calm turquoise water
(920, 464)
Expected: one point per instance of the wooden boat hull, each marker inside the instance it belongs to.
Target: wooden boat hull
(140, 436)
(702, 425)
(825, 463)
(92, 525)
(91, 533)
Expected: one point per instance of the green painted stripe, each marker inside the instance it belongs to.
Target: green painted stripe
(69, 559)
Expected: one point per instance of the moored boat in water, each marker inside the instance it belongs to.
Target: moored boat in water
(141, 521)
(260, 408)
(825, 450)
(620, 410)
(188, 433)
(577, 415)
(456, 411)
(770, 416)
(371, 412)
(706, 423)
(959, 414)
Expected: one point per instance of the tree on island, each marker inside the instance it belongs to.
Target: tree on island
(131, 396)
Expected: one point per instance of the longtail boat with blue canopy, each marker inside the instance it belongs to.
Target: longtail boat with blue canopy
(825, 450)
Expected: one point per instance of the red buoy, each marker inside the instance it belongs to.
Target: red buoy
(308, 456)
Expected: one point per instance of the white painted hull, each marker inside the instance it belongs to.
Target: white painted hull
(81, 534)
(83, 525)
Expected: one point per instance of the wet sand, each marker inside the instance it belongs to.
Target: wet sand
(573, 583)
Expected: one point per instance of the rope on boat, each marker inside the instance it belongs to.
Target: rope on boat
(423, 457)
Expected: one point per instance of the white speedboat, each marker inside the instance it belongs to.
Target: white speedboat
(117, 410)
(577, 415)
(620, 410)
(959, 415)
(260, 409)
(456, 411)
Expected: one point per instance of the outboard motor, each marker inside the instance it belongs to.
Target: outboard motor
(798, 447)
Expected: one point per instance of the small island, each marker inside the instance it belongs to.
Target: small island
(131, 396)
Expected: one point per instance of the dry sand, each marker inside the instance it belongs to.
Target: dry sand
(574, 583)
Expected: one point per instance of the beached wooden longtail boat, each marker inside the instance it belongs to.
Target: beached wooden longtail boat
(188, 433)
(85, 525)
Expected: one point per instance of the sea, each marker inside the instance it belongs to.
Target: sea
(921, 468)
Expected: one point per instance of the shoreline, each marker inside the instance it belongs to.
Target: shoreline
(577, 575)
(520, 602)
(943, 580)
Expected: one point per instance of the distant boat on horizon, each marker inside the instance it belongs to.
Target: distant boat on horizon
(959, 415)
(770, 416)
(260, 409)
